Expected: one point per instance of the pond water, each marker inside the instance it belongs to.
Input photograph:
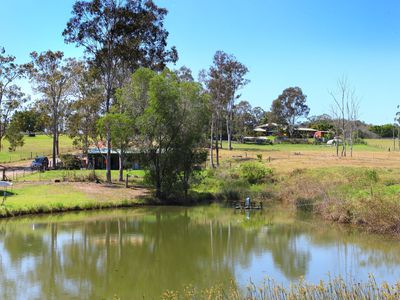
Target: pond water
(142, 252)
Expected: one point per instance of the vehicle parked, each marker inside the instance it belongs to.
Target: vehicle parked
(40, 163)
(334, 142)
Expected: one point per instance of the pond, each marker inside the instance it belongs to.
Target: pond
(140, 252)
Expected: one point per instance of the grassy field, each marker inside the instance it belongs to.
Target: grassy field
(135, 176)
(34, 146)
(28, 198)
(384, 144)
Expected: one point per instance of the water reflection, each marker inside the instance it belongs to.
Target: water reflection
(142, 252)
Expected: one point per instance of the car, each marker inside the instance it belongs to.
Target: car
(40, 163)
(334, 142)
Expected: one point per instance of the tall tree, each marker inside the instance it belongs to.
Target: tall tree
(30, 120)
(52, 77)
(121, 129)
(11, 96)
(119, 36)
(244, 121)
(289, 107)
(170, 118)
(226, 78)
(86, 110)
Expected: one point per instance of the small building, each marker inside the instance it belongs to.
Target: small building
(97, 159)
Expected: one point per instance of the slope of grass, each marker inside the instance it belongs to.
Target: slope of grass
(34, 146)
(47, 198)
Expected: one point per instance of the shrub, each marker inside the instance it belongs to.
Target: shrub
(254, 172)
(70, 162)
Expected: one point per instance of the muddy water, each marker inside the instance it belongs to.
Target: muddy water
(143, 252)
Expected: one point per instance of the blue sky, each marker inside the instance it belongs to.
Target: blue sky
(284, 43)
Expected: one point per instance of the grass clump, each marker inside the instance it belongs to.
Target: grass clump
(254, 172)
(333, 289)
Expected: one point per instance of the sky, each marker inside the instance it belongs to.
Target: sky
(284, 43)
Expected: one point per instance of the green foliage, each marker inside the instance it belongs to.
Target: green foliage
(289, 107)
(170, 118)
(385, 130)
(372, 175)
(14, 136)
(30, 120)
(254, 172)
(70, 162)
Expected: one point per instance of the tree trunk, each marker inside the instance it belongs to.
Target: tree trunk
(108, 158)
(54, 149)
(121, 167)
(216, 146)
(212, 143)
(228, 132)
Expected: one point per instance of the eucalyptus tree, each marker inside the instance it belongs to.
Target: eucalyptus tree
(52, 77)
(87, 107)
(289, 107)
(226, 78)
(11, 96)
(170, 117)
(120, 126)
(119, 36)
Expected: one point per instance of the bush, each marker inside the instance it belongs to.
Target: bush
(70, 162)
(254, 172)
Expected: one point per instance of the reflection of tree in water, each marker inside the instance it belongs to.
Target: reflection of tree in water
(145, 254)
(283, 242)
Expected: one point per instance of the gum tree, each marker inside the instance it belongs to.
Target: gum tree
(52, 77)
(11, 96)
(118, 37)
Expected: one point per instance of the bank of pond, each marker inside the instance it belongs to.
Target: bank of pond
(163, 252)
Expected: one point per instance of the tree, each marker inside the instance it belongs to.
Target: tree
(244, 120)
(119, 37)
(259, 115)
(14, 136)
(52, 76)
(170, 118)
(121, 130)
(345, 113)
(226, 77)
(86, 110)
(322, 122)
(30, 120)
(11, 96)
(289, 107)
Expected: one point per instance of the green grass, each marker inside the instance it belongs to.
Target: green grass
(384, 144)
(79, 175)
(373, 147)
(34, 146)
(49, 198)
(334, 288)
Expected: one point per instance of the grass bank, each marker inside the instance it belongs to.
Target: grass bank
(334, 289)
(351, 193)
(60, 191)
(367, 197)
